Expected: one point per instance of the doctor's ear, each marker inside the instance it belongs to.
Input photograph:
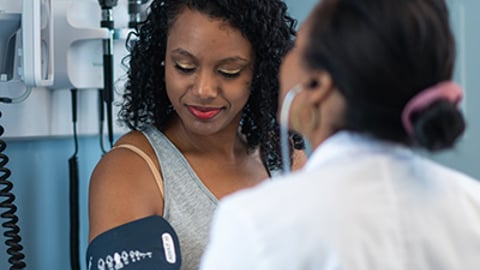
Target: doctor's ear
(319, 78)
(320, 85)
(312, 84)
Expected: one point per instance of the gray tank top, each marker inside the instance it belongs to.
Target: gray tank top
(188, 204)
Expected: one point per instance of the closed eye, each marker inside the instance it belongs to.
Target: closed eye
(229, 74)
(184, 68)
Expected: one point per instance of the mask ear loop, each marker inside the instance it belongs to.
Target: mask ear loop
(284, 112)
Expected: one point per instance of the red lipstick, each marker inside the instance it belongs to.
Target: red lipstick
(203, 113)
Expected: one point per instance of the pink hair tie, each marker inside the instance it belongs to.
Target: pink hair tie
(447, 90)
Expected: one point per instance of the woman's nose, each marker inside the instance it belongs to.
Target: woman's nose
(205, 86)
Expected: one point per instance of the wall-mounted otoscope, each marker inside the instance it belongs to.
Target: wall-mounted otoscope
(135, 12)
(108, 94)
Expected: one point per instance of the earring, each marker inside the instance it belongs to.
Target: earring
(162, 63)
(313, 118)
(297, 121)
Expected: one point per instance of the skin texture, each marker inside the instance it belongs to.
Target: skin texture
(199, 78)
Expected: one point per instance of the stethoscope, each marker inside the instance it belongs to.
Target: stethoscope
(284, 138)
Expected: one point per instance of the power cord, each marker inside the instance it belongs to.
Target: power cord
(74, 204)
(20, 99)
(101, 120)
(108, 94)
(12, 233)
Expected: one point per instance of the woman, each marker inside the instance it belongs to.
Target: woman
(371, 80)
(201, 99)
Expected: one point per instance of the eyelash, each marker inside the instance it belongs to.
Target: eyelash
(223, 73)
(229, 75)
(184, 70)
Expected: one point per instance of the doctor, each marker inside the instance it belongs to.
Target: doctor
(373, 81)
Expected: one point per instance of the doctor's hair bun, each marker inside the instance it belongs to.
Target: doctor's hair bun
(439, 126)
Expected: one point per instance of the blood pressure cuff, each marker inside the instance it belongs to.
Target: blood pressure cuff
(149, 244)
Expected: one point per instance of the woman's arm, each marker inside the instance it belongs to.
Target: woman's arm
(122, 189)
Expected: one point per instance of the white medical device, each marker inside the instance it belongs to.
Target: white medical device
(37, 33)
(10, 21)
(51, 43)
(26, 44)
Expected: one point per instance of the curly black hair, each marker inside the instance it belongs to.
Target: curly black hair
(265, 24)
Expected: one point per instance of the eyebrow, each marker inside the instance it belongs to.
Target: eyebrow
(231, 59)
(183, 52)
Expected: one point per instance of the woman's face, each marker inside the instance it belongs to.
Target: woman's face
(208, 72)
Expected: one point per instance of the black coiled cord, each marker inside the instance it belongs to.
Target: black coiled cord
(12, 232)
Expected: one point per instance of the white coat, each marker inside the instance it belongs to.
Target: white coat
(359, 204)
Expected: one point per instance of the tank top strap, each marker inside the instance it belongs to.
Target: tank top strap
(149, 161)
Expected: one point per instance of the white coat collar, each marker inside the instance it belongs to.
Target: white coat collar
(347, 144)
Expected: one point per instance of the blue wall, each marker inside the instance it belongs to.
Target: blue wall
(41, 185)
(40, 167)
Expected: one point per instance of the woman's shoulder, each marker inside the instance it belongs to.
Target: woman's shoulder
(122, 187)
(120, 158)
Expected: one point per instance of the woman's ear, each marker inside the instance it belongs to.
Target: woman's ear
(319, 86)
